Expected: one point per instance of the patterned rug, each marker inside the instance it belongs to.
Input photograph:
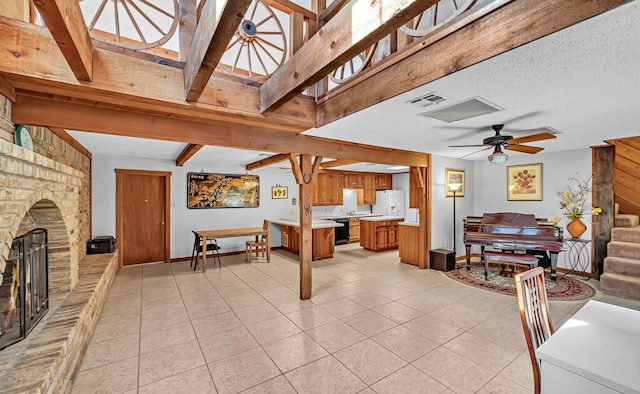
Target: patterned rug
(563, 289)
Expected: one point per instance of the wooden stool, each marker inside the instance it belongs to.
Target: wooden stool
(508, 258)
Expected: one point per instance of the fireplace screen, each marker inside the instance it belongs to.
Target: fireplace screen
(24, 292)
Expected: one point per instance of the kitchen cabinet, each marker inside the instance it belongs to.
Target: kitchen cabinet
(323, 241)
(327, 189)
(336, 186)
(379, 235)
(353, 180)
(321, 189)
(384, 182)
(354, 229)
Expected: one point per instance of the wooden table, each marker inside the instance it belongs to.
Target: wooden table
(596, 351)
(230, 233)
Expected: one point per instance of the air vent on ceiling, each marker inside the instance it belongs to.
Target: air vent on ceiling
(465, 109)
(427, 100)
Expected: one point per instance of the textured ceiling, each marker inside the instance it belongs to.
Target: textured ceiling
(583, 81)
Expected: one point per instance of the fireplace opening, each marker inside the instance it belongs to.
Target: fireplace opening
(24, 291)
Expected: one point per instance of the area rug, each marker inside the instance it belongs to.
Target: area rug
(563, 289)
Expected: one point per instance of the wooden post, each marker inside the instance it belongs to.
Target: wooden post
(187, 26)
(305, 172)
(421, 176)
(603, 159)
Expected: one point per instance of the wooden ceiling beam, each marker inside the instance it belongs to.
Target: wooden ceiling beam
(289, 7)
(499, 27)
(337, 163)
(7, 89)
(93, 118)
(135, 83)
(67, 26)
(209, 43)
(354, 28)
(267, 161)
(187, 153)
(62, 133)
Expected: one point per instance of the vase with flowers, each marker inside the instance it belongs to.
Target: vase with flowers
(573, 202)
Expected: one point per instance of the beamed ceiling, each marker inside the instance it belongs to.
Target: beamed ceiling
(517, 54)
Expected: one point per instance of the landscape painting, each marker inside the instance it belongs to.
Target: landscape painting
(206, 190)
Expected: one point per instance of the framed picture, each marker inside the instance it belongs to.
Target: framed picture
(524, 182)
(205, 190)
(279, 192)
(453, 178)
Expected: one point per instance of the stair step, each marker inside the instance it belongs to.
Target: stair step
(625, 220)
(627, 250)
(626, 234)
(622, 266)
(620, 285)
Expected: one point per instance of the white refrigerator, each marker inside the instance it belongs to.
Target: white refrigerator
(389, 203)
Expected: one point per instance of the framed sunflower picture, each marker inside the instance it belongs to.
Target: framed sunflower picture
(524, 182)
(278, 192)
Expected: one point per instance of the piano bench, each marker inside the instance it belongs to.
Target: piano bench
(514, 258)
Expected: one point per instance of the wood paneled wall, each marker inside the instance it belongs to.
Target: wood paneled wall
(627, 175)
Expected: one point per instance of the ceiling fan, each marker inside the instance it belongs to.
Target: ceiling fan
(508, 142)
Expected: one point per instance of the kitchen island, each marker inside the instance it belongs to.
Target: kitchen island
(323, 237)
(379, 232)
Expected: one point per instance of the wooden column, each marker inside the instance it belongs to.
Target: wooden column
(305, 172)
(421, 177)
(187, 26)
(603, 158)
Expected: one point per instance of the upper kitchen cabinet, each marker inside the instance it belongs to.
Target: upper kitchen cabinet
(384, 182)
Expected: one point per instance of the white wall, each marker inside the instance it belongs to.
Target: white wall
(184, 220)
(490, 185)
(442, 207)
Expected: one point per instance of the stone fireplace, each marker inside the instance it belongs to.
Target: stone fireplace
(49, 188)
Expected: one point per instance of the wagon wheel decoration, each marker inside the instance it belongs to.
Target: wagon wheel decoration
(150, 23)
(258, 47)
(436, 16)
(353, 66)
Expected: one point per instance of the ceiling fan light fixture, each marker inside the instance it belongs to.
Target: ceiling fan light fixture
(498, 158)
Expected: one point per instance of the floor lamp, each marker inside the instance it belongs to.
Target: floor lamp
(453, 188)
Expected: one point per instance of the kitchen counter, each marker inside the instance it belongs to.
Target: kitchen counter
(322, 237)
(381, 218)
(315, 224)
(345, 216)
(414, 224)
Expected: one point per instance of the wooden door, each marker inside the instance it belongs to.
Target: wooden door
(142, 216)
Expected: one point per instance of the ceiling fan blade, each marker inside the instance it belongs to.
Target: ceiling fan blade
(473, 153)
(523, 148)
(531, 138)
(466, 146)
(521, 117)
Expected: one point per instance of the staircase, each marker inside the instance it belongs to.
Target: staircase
(621, 275)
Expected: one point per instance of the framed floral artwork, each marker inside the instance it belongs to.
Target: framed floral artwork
(278, 192)
(453, 179)
(524, 182)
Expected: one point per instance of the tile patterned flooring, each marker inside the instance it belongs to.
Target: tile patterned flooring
(373, 325)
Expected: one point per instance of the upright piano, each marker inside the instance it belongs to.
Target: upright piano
(513, 232)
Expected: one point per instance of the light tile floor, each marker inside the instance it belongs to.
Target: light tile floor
(373, 325)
